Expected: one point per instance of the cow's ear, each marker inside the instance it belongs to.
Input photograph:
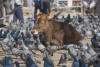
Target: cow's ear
(50, 15)
(38, 16)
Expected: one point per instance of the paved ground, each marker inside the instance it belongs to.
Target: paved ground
(55, 58)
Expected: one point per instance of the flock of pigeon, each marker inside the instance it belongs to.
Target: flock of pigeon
(20, 41)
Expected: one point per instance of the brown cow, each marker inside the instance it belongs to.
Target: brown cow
(61, 32)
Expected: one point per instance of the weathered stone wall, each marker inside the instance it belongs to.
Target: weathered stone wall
(98, 8)
(1, 14)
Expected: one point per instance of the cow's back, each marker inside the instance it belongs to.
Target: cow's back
(64, 32)
(71, 35)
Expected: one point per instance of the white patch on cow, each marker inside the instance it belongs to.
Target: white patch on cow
(35, 32)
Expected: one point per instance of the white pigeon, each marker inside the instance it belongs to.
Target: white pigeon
(91, 51)
(41, 47)
(85, 4)
(92, 4)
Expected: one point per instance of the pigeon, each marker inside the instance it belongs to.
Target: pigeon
(91, 51)
(63, 60)
(2, 25)
(38, 43)
(96, 63)
(17, 64)
(75, 62)
(47, 61)
(82, 63)
(94, 41)
(7, 61)
(30, 62)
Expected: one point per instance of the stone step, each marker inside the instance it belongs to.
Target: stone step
(1, 50)
(22, 65)
(2, 53)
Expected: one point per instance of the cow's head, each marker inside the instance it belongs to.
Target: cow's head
(42, 22)
(42, 18)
